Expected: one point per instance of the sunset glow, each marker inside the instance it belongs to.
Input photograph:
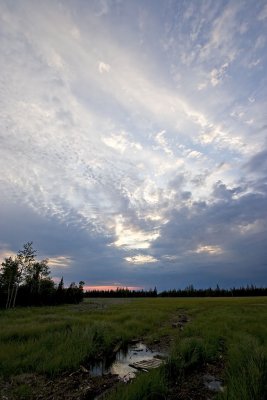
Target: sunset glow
(106, 287)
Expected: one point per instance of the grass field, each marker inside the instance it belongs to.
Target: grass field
(229, 332)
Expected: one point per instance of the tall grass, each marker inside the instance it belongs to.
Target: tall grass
(150, 386)
(232, 332)
(229, 331)
(246, 373)
(53, 339)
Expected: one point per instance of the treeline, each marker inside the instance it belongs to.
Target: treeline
(121, 292)
(25, 281)
(190, 291)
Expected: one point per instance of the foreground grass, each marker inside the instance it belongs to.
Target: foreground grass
(54, 339)
(230, 332)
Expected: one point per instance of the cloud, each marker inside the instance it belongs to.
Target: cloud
(141, 259)
(60, 262)
(260, 42)
(254, 63)
(217, 75)
(208, 249)
(101, 7)
(121, 142)
(161, 141)
(263, 14)
(202, 86)
(221, 37)
(102, 67)
(5, 252)
(130, 237)
(258, 163)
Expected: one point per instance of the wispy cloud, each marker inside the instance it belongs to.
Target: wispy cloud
(141, 259)
(60, 262)
(208, 249)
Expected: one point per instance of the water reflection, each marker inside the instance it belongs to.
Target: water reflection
(119, 363)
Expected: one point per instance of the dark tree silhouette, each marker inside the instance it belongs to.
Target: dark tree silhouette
(9, 280)
(26, 281)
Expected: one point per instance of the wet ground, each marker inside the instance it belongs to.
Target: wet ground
(91, 380)
(87, 383)
(122, 362)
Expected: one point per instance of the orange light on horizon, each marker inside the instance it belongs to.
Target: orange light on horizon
(112, 287)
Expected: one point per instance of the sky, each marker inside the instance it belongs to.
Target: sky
(133, 140)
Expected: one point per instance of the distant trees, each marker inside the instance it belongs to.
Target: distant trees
(121, 292)
(189, 291)
(26, 281)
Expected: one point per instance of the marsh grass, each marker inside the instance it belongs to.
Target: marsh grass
(246, 373)
(234, 330)
(150, 386)
(229, 332)
(54, 339)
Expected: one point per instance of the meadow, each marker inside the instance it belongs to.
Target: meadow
(225, 335)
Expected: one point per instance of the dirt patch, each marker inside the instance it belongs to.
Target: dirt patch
(161, 345)
(193, 386)
(77, 385)
(177, 322)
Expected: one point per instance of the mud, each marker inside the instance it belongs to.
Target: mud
(87, 383)
(78, 385)
(195, 384)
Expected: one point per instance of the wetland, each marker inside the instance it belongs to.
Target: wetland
(91, 350)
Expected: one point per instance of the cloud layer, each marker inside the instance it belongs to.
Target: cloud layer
(133, 139)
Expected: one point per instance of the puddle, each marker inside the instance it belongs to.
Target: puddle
(119, 364)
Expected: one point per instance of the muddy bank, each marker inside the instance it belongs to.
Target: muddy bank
(204, 383)
(78, 385)
(88, 382)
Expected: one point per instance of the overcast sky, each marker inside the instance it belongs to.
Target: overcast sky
(133, 139)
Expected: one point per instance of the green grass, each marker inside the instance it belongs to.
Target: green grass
(54, 339)
(150, 386)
